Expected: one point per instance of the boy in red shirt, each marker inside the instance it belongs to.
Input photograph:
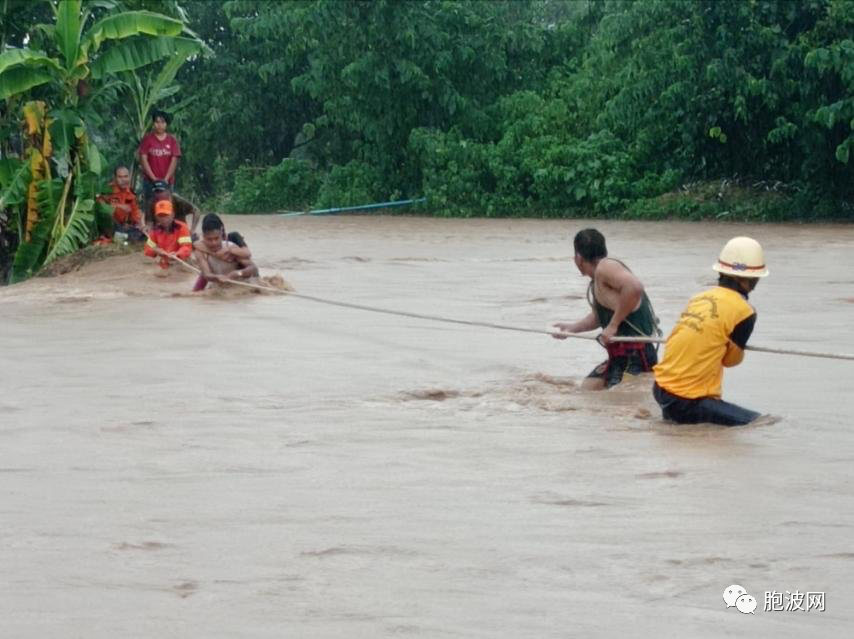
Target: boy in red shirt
(158, 154)
(168, 237)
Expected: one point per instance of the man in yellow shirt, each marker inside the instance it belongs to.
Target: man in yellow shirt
(711, 334)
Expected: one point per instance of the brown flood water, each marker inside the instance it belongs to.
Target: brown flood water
(263, 466)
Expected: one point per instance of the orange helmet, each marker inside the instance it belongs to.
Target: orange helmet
(163, 207)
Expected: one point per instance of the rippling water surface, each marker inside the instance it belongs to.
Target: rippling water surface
(262, 466)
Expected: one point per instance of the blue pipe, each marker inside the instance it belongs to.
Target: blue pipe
(363, 207)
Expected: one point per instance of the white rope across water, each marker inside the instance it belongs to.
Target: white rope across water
(758, 349)
(502, 327)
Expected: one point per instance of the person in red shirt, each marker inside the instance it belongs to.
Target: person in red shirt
(169, 237)
(158, 153)
(126, 215)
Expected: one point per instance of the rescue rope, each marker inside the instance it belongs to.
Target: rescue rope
(503, 327)
(759, 349)
(388, 311)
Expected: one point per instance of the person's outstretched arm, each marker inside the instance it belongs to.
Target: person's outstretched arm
(588, 323)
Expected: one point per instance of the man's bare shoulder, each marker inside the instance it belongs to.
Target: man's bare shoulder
(615, 274)
(609, 267)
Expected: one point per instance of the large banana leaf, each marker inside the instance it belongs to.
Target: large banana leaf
(139, 51)
(94, 159)
(29, 254)
(16, 57)
(14, 180)
(28, 257)
(68, 31)
(77, 231)
(39, 171)
(20, 79)
(49, 196)
(65, 130)
(127, 24)
(166, 75)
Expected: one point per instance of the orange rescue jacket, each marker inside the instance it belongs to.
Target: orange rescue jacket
(123, 196)
(175, 240)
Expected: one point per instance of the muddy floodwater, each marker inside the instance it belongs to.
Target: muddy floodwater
(241, 465)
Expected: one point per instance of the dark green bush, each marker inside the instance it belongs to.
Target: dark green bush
(352, 184)
(290, 185)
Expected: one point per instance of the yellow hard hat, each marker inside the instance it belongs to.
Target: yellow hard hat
(742, 257)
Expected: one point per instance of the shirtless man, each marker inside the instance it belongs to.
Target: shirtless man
(619, 306)
(221, 258)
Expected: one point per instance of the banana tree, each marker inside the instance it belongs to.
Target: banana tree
(145, 88)
(87, 45)
(151, 87)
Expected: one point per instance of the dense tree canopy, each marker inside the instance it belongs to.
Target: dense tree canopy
(522, 107)
(486, 107)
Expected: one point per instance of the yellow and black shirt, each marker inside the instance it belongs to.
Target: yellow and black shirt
(711, 333)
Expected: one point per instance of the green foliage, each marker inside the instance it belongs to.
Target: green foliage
(30, 255)
(78, 230)
(23, 69)
(64, 64)
(456, 175)
(14, 179)
(125, 24)
(665, 92)
(352, 184)
(242, 114)
(290, 185)
(141, 51)
(20, 79)
(368, 73)
(734, 201)
(488, 107)
(537, 107)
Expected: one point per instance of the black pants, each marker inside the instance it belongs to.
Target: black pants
(147, 197)
(704, 409)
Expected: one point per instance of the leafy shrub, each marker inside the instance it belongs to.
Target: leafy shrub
(352, 184)
(290, 185)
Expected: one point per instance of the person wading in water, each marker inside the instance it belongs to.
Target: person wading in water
(619, 306)
(711, 334)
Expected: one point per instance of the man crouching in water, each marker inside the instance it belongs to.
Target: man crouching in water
(711, 334)
(619, 306)
(221, 258)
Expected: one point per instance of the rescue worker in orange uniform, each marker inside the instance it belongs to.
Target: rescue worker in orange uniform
(169, 236)
(126, 214)
(711, 334)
